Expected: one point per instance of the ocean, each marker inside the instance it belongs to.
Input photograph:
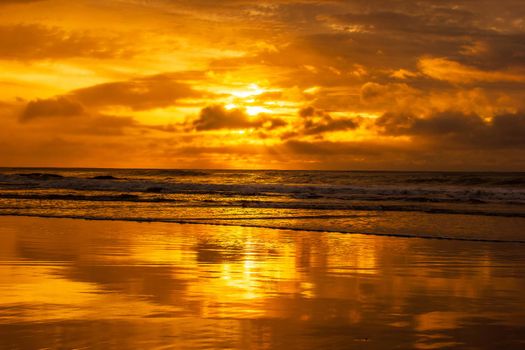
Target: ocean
(441, 205)
(215, 259)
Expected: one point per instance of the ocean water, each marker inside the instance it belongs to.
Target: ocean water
(461, 206)
(264, 260)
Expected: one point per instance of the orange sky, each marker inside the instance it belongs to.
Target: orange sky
(298, 84)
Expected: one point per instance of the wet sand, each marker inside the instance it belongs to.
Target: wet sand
(68, 283)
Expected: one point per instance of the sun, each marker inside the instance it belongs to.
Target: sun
(246, 99)
(255, 110)
(251, 90)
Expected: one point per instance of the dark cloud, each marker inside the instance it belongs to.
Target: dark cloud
(274, 123)
(334, 149)
(90, 125)
(323, 154)
(331, 125)
(138, 94)
(307, 112)
(454, 129)
(371, 92)
(217, 117)
(385, 36)
(34, 41)
(55, 115)
(439, 124)
(398, 156)
(456, 30)
(55, 107)
(316, 122)
(440, 21)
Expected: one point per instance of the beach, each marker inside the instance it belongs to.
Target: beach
(70, 283)
(256, 175)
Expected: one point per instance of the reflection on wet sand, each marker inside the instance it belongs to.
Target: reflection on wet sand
(71, 283)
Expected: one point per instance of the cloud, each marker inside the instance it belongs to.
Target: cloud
(145, 93)
(36, 41)
(55, 107)
(454, 72)
(330, 149)
(391, 96)
(454, 129)
(393, 36)
(155, 91)
(384, 83)
(52, 114)
(217, 117)
(438, 124)
(437, 21)
(425, 100)
(397, 156)
(103, 125)
(370, 91)
(316, 122)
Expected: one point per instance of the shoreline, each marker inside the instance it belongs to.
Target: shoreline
(196, 222)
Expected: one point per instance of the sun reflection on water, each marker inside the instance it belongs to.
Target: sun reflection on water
(218, 283)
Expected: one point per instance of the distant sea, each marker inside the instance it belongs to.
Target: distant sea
(440, 205)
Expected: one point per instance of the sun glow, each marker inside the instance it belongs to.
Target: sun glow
(246, 99)
(254, 110)
(168, 82)
(231, 106)
(252, 90)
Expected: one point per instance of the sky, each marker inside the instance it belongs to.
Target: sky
(297, 84)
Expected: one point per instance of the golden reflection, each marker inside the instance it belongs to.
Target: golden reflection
(66, 270)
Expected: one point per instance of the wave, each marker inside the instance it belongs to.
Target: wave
(305, 191)
(39, 176)
(256, 204)
(465, 200)
(75, 197)
(458, 206)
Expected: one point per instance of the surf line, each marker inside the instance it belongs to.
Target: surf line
(197, 222)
